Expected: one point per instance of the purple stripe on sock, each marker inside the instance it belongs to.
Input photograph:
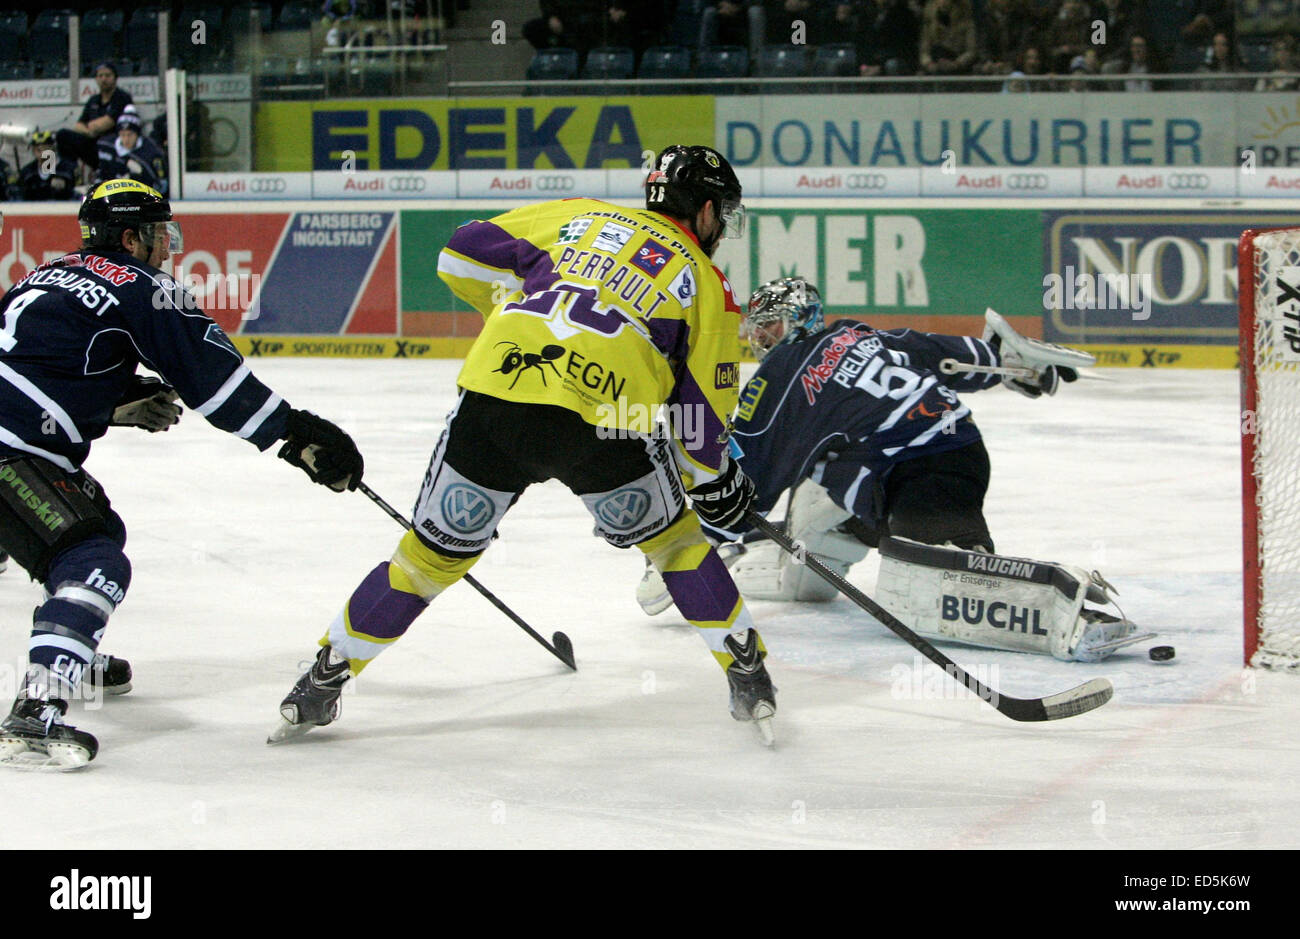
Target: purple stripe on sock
(376, 609)
(709, 430)
(492, 245)
(704, 594)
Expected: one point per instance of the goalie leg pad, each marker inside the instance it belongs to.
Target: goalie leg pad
(766, 572)
(995, 601)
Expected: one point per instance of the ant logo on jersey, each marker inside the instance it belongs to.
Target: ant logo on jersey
(515, 358)
(651, 257)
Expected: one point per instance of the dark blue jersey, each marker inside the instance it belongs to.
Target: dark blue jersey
(145, 164)
(846, 404)
(72, 334)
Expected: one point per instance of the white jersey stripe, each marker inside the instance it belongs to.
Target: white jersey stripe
(458, 266)
(9, 438)
(257, 420)
(225, 391)
(47, 640)
(47, 403)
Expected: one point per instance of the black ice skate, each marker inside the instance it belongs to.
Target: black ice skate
(314, 700)
(109, 674)
(752, 696)
(34, 736)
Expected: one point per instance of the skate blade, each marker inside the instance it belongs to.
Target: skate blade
(763, 714)
(119, 689)
(656, 605)
(54, 758)
(285, 731)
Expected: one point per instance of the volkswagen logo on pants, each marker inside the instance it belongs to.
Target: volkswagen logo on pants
(555, 183)
(1027, 181)
(1196, 181)
(466, 508)
(623, 509)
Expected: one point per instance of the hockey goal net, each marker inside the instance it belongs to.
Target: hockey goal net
(1269, 297)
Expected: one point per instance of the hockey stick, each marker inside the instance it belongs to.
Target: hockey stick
(562, 648)
(954, 366)
(1091, 694)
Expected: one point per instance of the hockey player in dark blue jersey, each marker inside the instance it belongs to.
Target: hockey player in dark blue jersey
(72, 334)
(865, 429)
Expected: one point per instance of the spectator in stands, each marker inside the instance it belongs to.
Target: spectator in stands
(1285, 75)
(564, 24)
(1082, 68)
(947, 37)
(1221, 57)
(1137, 62)
(733, 23)
(98, 121)
(632, 25)
(1210, 17)
(1068, 34)
(1119, 21)
(46, 177)
(890, 40)
(784, 17)
(1004, 31)
(336, 10)
(1028, 64)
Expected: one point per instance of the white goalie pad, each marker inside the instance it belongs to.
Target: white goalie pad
(766, 572)
(1000, 602)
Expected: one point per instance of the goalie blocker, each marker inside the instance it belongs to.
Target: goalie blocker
(1000, 602)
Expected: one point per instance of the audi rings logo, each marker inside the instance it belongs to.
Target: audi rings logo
(407, 184)
(1026, 182)
(554, 183)
(267, 185)
(1194, 181)
(865, 181)
(55, 92)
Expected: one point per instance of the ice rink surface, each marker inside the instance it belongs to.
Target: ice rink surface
(467, 734)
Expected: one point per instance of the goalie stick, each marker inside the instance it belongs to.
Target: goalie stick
(562, 648)
(1091, 694)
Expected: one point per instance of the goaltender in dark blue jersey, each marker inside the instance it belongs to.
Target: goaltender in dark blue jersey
(844, 405)
(74, 331)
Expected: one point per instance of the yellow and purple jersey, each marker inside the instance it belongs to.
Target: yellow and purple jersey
(608, 311)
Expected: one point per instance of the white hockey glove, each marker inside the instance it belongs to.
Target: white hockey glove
(148, 403)
(1050, 363)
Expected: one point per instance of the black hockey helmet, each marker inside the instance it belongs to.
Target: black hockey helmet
(117, 205)
(685, 178)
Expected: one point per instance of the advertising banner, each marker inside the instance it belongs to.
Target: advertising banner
(476, 134)
(980, 130)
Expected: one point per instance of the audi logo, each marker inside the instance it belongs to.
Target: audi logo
(1188, 181)
(407, 184)
(554, 183)
(865, 181)
(1026, 181)
(51, 92)
(267, 184)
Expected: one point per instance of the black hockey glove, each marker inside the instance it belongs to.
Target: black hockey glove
(723, 502)
(148, 403)
(1044, 383)
(322, 451)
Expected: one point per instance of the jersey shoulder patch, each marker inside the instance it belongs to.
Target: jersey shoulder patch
(217, 336)
(749, 398)
(727, 293)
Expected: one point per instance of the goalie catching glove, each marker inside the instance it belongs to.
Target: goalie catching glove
(723, 502)
(322, 450)
(1050, 363)
(148, 403)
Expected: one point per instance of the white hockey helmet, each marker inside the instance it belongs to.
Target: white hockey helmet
(782, 310)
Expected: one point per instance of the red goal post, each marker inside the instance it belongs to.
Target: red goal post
(1268, 271)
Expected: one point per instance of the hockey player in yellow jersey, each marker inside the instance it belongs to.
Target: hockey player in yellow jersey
(597, 320)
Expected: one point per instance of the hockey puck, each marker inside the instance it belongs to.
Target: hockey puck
(1161, 653)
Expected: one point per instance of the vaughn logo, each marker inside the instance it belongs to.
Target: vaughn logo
(104, 892)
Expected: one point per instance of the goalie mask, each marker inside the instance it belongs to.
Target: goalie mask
(783, 310)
